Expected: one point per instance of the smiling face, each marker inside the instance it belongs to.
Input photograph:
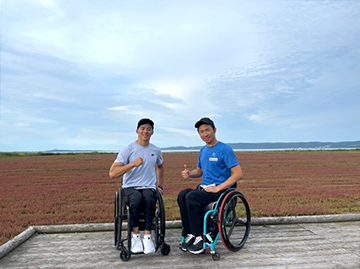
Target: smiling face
(144, 133)
(207, 134)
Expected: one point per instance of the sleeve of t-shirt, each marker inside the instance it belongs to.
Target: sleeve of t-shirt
(230, 157)
(160, 159)
(199, 160)
(123, 156)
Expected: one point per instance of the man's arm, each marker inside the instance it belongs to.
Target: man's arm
(186, 174)
(119, 169)
(160, 175)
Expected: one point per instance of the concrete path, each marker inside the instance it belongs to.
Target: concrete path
(305, 244)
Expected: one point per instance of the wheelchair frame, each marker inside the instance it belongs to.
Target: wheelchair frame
(223, 215)
(122, 213)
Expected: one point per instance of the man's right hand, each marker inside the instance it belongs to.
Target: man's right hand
(139, 161)
(185, 173)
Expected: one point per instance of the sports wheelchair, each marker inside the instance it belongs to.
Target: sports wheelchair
(122, 218)
(229, 219)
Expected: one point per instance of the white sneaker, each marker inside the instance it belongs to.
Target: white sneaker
(148, 244)
(136, 244)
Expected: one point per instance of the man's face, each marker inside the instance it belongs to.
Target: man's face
(207, 133)
(145, 131)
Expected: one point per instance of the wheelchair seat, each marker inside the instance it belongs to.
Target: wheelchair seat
(209, 206)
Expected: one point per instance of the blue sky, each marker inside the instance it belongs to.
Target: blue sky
(80, 74)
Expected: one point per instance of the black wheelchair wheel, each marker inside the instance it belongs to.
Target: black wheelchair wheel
(116, 220)
(215, 256)
(125, 255)
(159, 222)
(165, 249)
(161, 214)
(129, 237)
(234, 221)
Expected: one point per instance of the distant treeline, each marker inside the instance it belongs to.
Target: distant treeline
(46, 153)
(284, 145)
(235, 146)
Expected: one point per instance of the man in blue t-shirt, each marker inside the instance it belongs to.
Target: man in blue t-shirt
(136, 164)
(219, 169)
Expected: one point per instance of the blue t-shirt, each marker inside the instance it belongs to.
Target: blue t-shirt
(145, 174)
(216, 163)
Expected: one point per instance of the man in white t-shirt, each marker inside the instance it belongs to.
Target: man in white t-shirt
(141, 166)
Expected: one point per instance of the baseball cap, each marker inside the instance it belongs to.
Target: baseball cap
(205, 120)
(144, 121)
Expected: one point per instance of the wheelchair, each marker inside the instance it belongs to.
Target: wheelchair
(122, 218)
(228, 219)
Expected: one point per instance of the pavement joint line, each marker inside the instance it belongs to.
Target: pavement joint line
(96, 227)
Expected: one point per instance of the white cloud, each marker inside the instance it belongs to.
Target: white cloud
(261, 117)
(120, 108)
(183, 132)
(73, 69)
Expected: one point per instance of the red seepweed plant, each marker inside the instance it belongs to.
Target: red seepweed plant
(67, 189)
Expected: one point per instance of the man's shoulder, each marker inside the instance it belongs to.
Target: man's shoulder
(130, 146)
(223, 145)
(225, 148)
(152, 147)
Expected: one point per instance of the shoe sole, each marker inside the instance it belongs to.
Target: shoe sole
(200, 251)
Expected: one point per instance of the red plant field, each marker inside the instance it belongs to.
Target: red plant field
(65, 189)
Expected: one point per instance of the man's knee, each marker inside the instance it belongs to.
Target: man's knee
(149, 195)
(135, 198)
(192, 196)
(183, 194)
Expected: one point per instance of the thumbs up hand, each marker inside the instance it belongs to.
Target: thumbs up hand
(185, 173)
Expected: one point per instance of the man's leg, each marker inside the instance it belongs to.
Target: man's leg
(150, 198)
(186, 237)
(136, 200)
(185, 220)
(196, 201)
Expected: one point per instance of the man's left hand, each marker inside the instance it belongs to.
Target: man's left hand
(213, 189)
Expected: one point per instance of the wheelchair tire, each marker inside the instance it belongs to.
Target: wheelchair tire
(165, 249)
(116, 220)
(129, 237)
(125, 255)
(161, 215)
(234, 221)
(215, 256)
(159, 222)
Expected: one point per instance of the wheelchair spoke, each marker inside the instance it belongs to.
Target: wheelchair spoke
(231, 229)
(241, 222)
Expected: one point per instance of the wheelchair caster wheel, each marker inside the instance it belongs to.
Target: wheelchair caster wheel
(125, 255)
(215, 256)
(165, 249)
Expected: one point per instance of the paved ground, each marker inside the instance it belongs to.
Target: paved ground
(293, 245)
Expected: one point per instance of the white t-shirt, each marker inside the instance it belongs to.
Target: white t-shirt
(145, 174)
